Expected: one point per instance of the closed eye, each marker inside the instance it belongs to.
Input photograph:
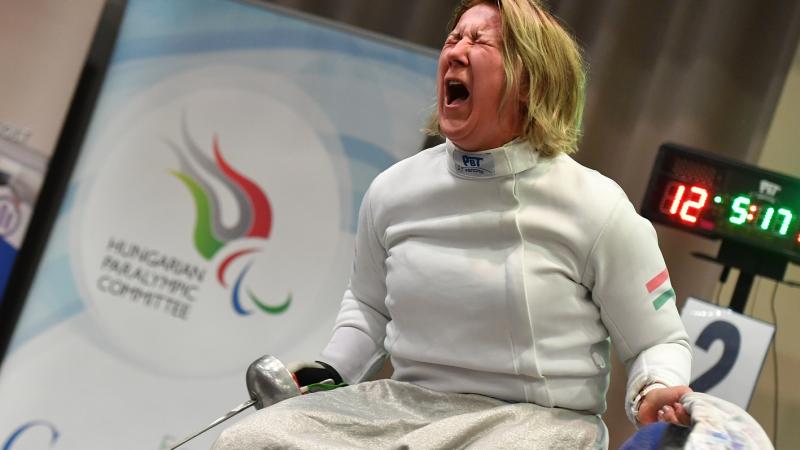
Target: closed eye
(452, 39)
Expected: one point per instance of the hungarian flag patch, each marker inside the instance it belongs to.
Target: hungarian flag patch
(661, 289)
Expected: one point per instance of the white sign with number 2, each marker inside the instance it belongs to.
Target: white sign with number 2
(729, 350)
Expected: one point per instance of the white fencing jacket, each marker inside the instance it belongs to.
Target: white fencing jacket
(503, 273)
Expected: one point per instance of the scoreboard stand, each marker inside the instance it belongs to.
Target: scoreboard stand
(751, 262)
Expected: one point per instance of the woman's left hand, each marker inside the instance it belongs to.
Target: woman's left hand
(664, 404)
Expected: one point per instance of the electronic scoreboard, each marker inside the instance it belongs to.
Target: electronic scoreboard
(720, 198)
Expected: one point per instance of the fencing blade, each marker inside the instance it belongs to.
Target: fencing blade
(227, 416)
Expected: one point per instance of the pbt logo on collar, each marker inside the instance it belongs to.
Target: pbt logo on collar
(471, 161)
(477, 166)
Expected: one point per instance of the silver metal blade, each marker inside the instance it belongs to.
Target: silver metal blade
(227, 416)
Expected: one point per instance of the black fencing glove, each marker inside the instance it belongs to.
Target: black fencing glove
(314, 373)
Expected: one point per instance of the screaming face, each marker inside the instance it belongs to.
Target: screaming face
(472, 81)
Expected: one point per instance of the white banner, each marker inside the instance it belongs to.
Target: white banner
(209, 220)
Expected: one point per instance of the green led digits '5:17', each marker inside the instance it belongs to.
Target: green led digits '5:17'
(766, 218)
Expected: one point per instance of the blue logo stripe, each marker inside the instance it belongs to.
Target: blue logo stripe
(236, 304)
(10, 441)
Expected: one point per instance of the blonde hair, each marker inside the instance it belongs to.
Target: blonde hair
(552, 74)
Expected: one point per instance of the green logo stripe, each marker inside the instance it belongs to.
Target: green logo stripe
(270, 309)
(663, 298)
(205, 242)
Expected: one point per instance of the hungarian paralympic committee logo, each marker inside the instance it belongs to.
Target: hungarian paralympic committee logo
(210, 233)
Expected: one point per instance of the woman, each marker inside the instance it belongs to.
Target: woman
(496, 265)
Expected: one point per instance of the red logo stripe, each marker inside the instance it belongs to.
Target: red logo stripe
(262, 222)
(224, 266)
(657, 281)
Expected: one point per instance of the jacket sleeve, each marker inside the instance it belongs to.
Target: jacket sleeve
(630, 284)
(356, 348)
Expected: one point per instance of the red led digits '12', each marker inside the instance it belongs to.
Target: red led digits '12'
(686, 206)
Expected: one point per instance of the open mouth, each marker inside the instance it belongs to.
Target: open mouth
(455, 91)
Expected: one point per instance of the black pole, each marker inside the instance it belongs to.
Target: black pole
(741, 291)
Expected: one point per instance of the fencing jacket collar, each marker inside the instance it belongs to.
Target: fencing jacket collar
(512, 158)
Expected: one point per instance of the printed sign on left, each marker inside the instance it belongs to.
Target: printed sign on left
(21, 173)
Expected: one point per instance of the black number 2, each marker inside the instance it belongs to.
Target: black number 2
(731, 339)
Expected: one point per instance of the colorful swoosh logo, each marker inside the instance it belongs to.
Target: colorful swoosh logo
(210, 233)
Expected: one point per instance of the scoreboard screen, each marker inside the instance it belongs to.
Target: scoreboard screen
(721, 198)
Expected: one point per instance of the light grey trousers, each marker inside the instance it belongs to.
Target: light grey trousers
(388, 414)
